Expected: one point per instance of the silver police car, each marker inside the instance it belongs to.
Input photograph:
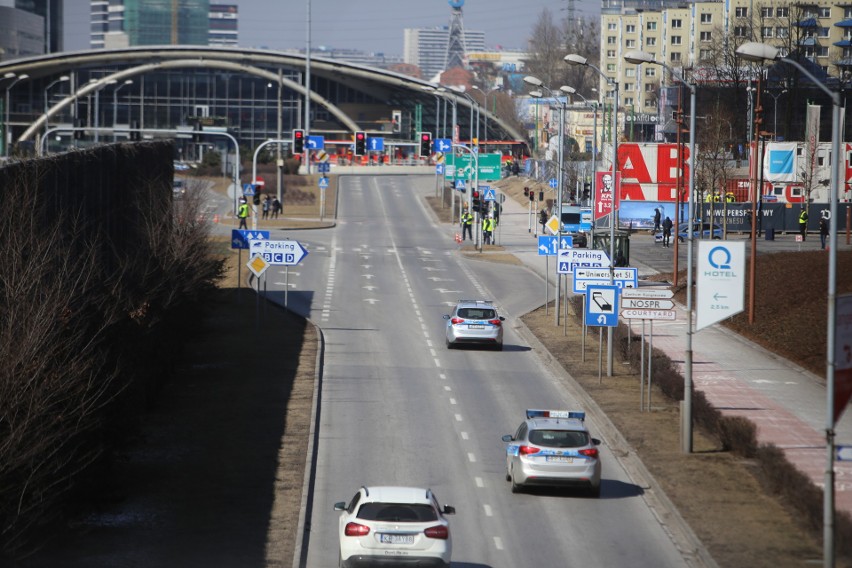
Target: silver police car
(475, 321)
(553, 448)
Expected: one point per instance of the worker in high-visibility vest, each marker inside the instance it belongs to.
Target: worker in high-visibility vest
(487, 229)
(467, 225)
(729, 197)
(243, 212)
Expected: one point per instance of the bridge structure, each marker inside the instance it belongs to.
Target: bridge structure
(255, 95)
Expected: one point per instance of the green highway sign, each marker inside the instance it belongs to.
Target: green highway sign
(489, 167)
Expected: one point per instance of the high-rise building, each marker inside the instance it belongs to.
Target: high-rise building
(427, 47)
(21, 32)
(224, 25)
(121, 23)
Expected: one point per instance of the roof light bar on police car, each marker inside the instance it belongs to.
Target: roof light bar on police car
(576, 414)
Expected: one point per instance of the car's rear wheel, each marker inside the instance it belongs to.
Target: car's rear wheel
(595, 491)
(449, 345)
(498, 347)
(516, 488)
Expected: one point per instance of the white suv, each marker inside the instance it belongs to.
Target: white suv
(382, 526)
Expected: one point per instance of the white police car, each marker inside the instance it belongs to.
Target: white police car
(393, 526)
(553, 448)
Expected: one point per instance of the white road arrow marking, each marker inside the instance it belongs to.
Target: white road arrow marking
(436, 279)
(367, 276)
(371, 300)
(444, 291)
(430, 269)
(371, 288)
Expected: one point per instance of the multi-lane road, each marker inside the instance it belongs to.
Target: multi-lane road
(398, 408)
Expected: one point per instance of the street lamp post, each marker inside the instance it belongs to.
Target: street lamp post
(97, 107)
(594, 105)
(46, 108)
(639, 57)
(759, 52)
(530, 80)
(575, 59)
(7, 131)
(775, 111)
(115, 107)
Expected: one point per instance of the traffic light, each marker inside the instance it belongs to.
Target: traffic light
(526, 191)
(298, 141)
(532, 195)
(360, 143)
(587, 190)
(425, 144)
(256, 198)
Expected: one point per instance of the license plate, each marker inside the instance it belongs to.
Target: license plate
(560, 459)
(474, 326)
(396, 538)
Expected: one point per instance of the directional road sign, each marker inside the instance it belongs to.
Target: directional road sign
(550, 245)
(843, 453)
(323, 167)
(645, 304)
(661, 293)
(602, 306)
(248, 189)
(240, 238)
(569, 259)
(630, 313)
(554, 183)
(376, 144)
(488, 194)
(443, 145)
(315, 143)
(323, 182)
(621, 277)
(721, 281)
(439, 169)
(283, 253)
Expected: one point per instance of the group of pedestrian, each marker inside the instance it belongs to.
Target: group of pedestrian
(664, 224)
(489, 223)
(271, 206)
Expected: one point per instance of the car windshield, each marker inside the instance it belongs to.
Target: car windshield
(559, 438)
(397, 512)
(477, 313)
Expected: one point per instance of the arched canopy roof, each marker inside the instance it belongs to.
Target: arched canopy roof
(381, 84)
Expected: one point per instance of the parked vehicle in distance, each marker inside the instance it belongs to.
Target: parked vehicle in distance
(393, 526)
(178, 188)
(703, 233)
(475, 321)
(553, 448)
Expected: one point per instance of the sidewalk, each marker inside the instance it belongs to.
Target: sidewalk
(786, 402)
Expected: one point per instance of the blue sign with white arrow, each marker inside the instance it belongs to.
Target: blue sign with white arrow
(601, 305)
(439, 169)
(553, 183)
(315, 143)
(240, 237)
(323, 167)
(375, 144)
(549, 245)
(443, 145)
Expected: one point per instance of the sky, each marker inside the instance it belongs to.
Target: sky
(366, 25)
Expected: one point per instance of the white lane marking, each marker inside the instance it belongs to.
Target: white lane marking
(464, 434)
(437, 363)
(458, 417)
(479, 482)
(498, 543)
(488, 511)
(453, 401)
(443, 376)
(471, 457)
(446, 388)
(429, 344)
(432, 352)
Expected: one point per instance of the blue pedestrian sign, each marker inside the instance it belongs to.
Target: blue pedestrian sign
(240, 237)
(323, 167)
(601, 305)
(323, 182)
(315, 143)
(460, 185)
(549, 245)
(439, 169)
(553, 183)
(488, 194)
(375, 144)
(248, 189)
(442, 145)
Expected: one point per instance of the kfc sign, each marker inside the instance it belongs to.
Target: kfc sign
(606, 196)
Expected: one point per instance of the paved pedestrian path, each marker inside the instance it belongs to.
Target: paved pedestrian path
(740, 378)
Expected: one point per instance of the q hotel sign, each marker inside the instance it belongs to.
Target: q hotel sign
(650, 172)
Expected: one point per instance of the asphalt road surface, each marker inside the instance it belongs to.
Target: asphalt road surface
(398, 408)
